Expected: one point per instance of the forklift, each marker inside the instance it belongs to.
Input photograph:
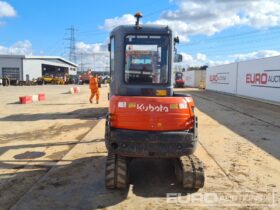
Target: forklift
(179, 80)
(146, 117)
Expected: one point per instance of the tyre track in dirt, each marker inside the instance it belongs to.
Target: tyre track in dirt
(236, 110)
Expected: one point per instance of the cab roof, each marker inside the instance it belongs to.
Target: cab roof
(144, 29)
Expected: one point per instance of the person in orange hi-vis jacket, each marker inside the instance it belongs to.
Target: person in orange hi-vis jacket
(93, 85)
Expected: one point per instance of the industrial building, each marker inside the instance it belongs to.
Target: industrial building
(26, 68)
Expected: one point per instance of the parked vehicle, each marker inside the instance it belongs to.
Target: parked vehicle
(47, 79)
(146, 118)
(179, 80)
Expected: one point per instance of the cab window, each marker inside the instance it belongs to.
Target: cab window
(146, 59)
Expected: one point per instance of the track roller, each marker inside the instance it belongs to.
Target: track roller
(116, 174)
(189, 171)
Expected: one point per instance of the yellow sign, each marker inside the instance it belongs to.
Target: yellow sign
(174, 106)
(131, 105)
(161, 92)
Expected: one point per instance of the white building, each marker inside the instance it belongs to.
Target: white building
(24, 68)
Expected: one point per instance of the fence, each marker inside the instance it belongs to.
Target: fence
(258, 78)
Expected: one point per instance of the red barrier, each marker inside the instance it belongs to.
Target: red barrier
(25, 99)
(41, 96)
(74, 90)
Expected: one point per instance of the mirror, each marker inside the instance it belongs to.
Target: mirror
(109, 47)
(176, 40)
(178, 58)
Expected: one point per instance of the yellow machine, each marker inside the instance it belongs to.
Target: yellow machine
(202, 84)
(58, 81)
(50, 80)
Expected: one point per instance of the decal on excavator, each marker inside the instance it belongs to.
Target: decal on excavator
(151, 108)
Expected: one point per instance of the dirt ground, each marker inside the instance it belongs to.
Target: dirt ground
(52, 155)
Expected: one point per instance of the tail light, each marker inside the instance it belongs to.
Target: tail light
(189, 123)
(183, 105)
(112, 117)
(179, 106)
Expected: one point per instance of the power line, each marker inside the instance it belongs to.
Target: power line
(236, 44)
(254, 44)
(96, 33)
(232, 37)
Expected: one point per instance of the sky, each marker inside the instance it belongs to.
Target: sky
(211, 32)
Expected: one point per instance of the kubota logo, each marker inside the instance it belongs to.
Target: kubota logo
(268, 78)
(151, 108)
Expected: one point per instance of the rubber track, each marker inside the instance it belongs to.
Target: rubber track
(192, 172)
(116, 176)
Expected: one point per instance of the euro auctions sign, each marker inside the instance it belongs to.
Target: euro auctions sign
(220, 78)
(264, 79)
(259, 78)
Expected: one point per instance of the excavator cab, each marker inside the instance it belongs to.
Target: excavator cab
(146, 118)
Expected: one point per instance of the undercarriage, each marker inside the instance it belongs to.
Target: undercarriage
(124, 145)
(188, 170)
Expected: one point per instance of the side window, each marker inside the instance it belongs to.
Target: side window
(112, 55)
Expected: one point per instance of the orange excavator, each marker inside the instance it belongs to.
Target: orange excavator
(146, 117)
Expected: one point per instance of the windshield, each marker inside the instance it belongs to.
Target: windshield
(146, 59)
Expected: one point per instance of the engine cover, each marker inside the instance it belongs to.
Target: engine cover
(152, 113)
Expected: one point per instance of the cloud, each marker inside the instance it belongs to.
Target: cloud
(92, 56)
(207, 17)
(255, 55)
(82, 47)
(218, 62)
(111, 23)
(201, 59)
(19, 48)
(6, 10)
(211, 16)
(197, 60)
(95, 56)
